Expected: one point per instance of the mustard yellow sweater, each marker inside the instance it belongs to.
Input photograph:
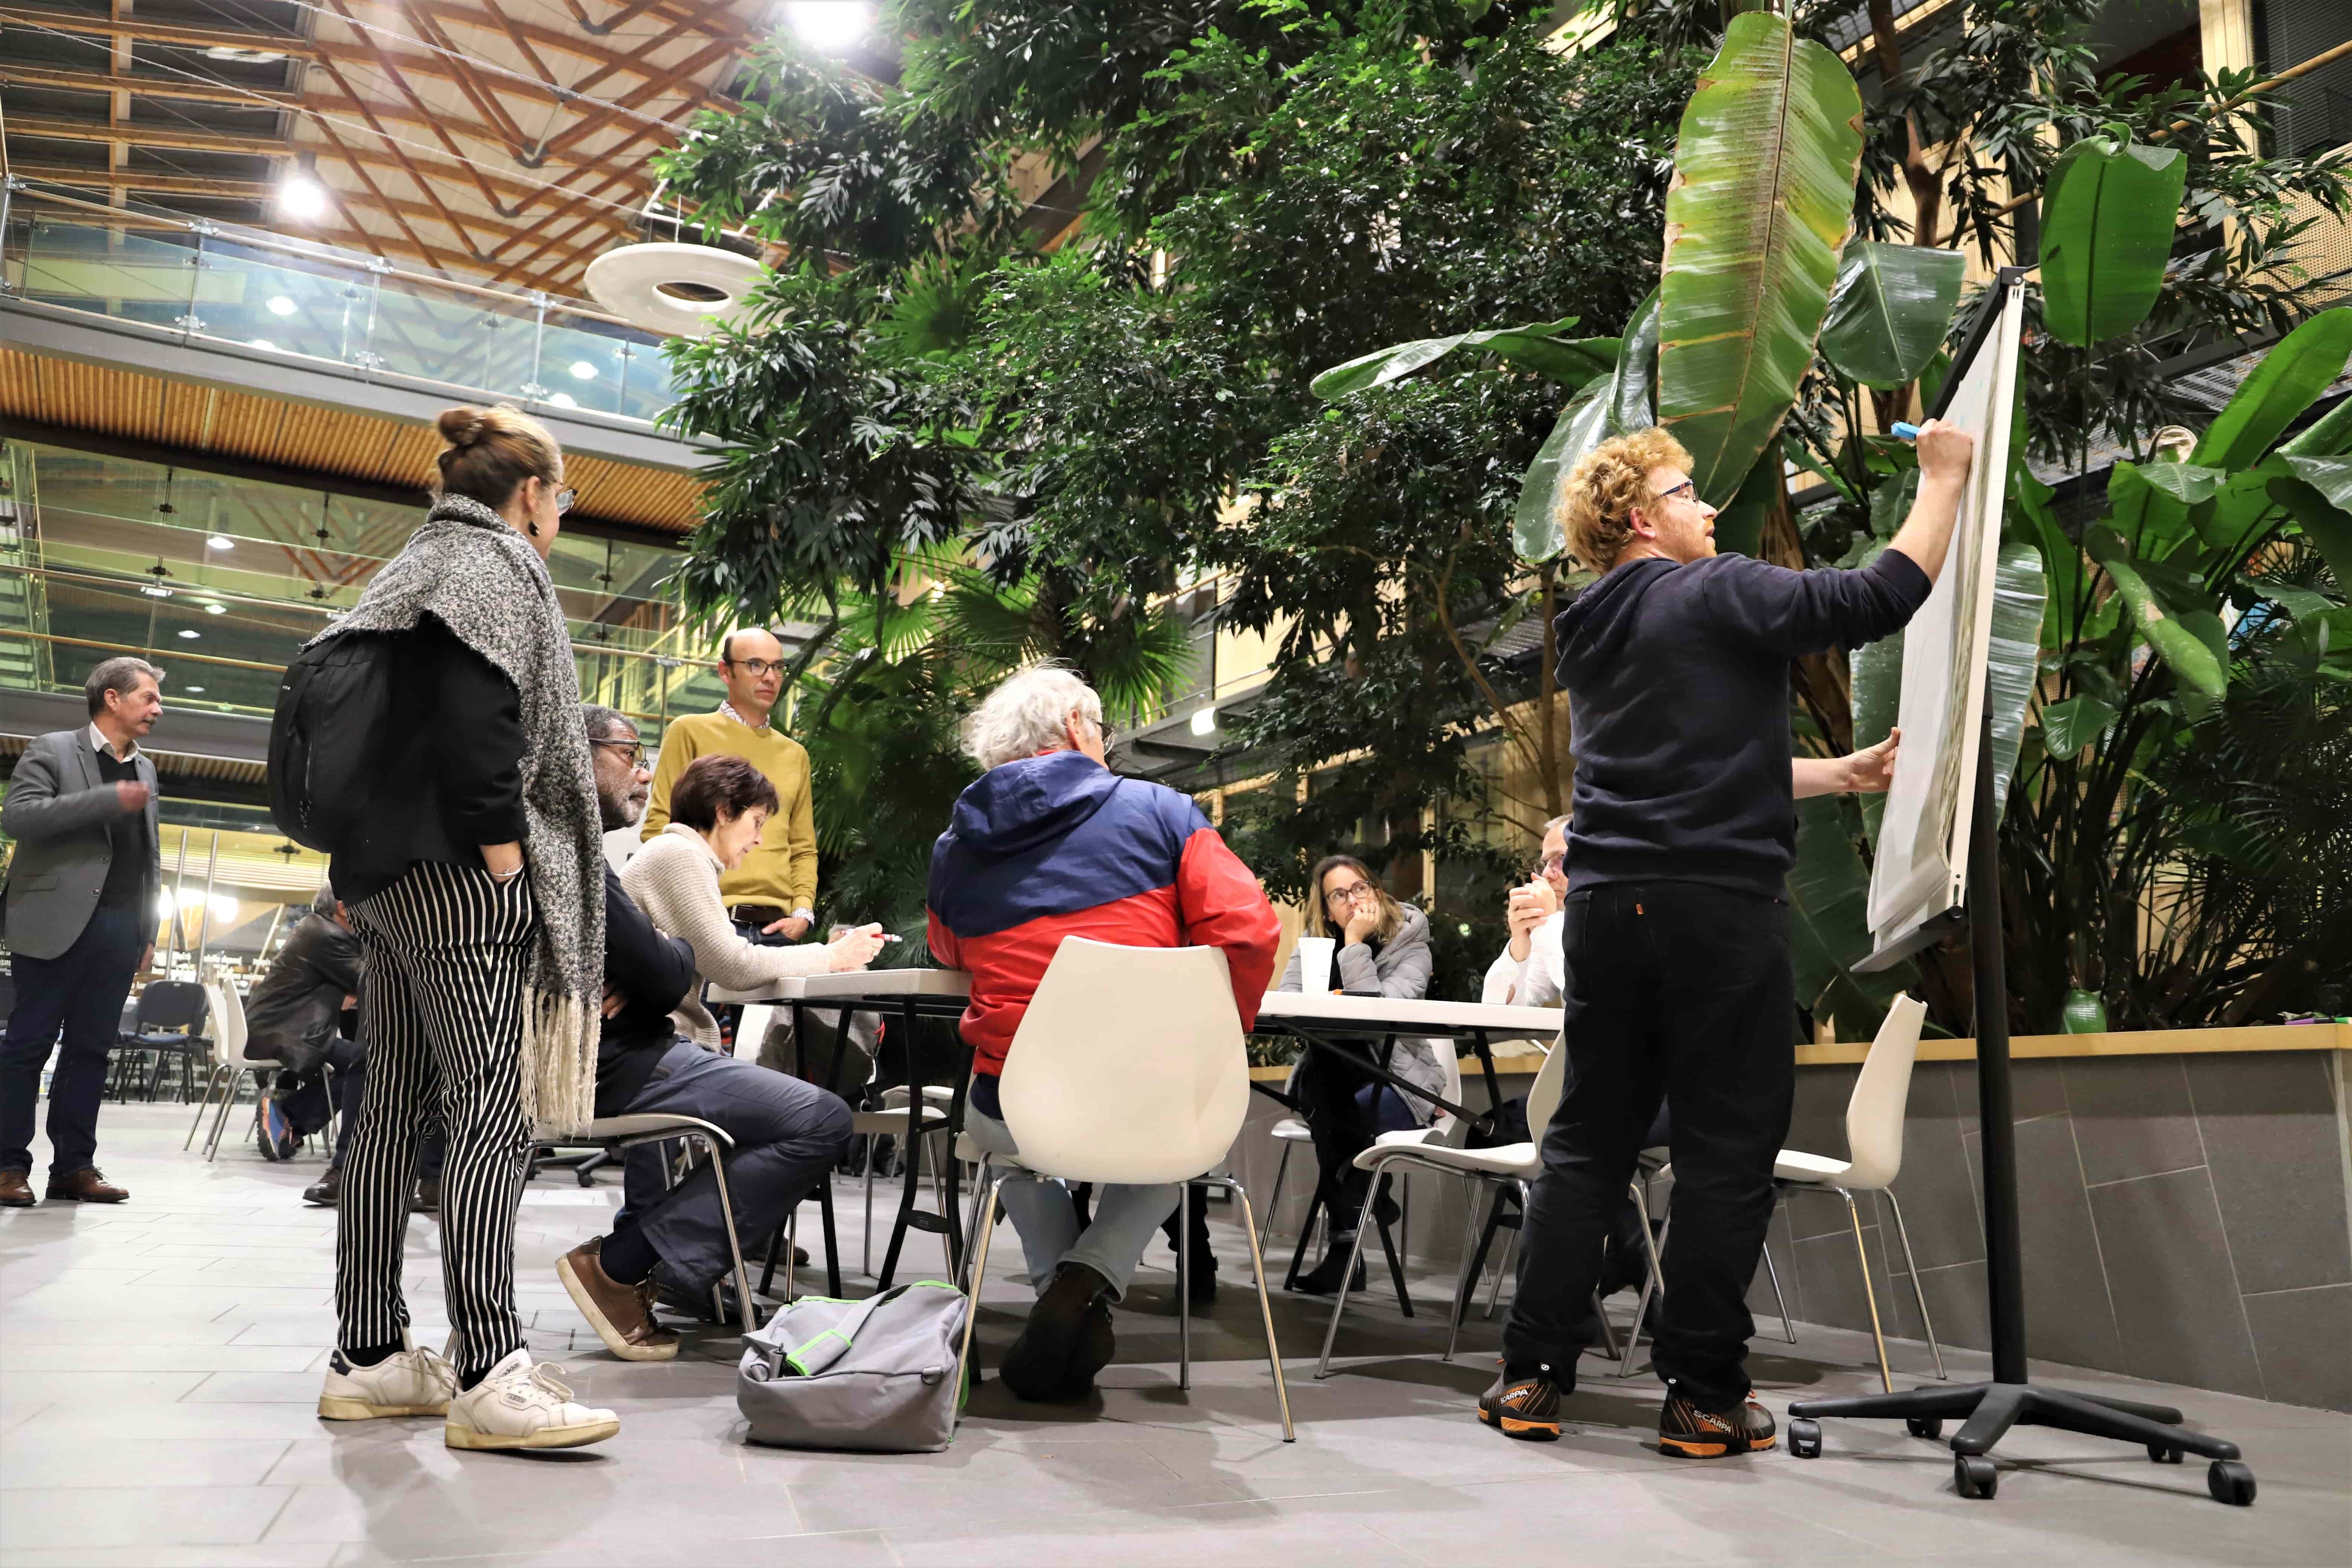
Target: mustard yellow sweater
(781, 869)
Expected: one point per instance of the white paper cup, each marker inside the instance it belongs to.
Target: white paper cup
(1315, 965)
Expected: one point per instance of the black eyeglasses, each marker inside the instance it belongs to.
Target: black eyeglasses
(636, 749)
(760, 668)
(1346, 895)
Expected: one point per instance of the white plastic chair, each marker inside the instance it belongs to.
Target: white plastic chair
(620, 1132)
(1129, 1068)
(230, 1037)
(1873, 1136)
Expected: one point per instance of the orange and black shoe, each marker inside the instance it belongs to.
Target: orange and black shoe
(1686, 1431)
(1523, 1407)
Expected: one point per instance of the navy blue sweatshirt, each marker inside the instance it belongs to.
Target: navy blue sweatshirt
(1677, 680)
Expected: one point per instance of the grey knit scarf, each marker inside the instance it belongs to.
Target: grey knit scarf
(474, 574)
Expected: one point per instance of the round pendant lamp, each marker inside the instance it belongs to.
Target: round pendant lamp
(684, 290)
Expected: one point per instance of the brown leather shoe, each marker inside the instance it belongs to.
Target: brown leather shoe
(16, 1192)
(622, 1315)
(87, 1186)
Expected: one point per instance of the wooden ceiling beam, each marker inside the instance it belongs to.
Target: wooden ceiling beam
(440, 132)
(144, 86)
(596, 119)
(179, 138)
(693, 20)
(82, 22)
(425, 187)
(466, 80)
(549, 38)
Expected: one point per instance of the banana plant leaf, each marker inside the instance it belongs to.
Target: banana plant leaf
(2107, 218)
(1876, 677)
(2067, 727)
(1613, 405)
(1537, 347)
(2013, 656)
(2299, 367)
(1829, 899)
(2203, 675)
(1889, 312)
(2329, 436)
(2150, 504)
(1739, 527)
(2061, 558)
(2325, 523)
(1757, 216)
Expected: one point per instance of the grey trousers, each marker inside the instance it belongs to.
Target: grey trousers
(787, 1133)
(1047, 1217)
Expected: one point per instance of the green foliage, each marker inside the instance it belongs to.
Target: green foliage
(1890, 311)
(2107, 216)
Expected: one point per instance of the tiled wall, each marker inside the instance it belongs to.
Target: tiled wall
(2183, 1217)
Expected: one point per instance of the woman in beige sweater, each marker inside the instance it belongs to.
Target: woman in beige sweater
(717, 810)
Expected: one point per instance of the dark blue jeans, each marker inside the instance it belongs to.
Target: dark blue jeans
(81, 992)
(788, 1133)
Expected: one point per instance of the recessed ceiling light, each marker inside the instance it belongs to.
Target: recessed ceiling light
(192, 690)
(220, 541)
(156, 591)
(217, 609)
(563, 400)
(302, 198)
(190, 633)
(280, 305)
(242, 57)
(583, 370)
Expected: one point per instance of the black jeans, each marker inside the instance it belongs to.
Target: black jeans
(82, 990)
(1682, 991)
(1330, 1095)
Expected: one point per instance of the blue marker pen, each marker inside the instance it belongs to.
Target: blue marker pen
(1905, 431)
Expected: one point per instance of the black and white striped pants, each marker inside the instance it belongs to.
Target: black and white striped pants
(441, 1011)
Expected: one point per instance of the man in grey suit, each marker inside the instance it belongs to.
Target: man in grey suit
(80, 920)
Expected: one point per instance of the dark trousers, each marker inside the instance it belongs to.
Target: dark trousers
(441, 1007)
(1331, 1093)
(1680, 992)
(788, 1134)
(81, 992)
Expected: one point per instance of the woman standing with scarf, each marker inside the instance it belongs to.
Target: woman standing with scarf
(474, 880)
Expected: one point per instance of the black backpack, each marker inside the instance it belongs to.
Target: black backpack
(326, 738)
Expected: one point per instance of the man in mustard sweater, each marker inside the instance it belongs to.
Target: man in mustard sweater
(775, 887)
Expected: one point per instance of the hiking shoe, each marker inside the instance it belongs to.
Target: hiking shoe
(622, 1315)
(1045, 1360)
(273, 1132)
(520, 1406)
(413, 1383)
(1523, 1407)
(1688, 1432)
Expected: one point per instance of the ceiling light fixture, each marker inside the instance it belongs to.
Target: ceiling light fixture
(301, 198)
(217, 609)
(263, 344)
(192, 690)
(190, 633)
(280, 305)
(563, 400)
(829, 27)
(220, 541)
(582, 370)
(1204, 721)
(242, 57)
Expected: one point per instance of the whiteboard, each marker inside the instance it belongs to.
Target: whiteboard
(1919, 882)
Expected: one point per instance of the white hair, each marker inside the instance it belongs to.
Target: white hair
(1028, 714)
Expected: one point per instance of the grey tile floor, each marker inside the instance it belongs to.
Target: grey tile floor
(159, 1364)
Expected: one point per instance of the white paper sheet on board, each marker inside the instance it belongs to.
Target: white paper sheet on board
(1921, 871)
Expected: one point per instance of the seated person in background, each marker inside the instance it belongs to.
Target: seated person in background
(1532, 971)
(1046, 844)
(1382, 951)
(787, 1133)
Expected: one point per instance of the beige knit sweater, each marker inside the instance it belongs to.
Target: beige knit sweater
(674, 880)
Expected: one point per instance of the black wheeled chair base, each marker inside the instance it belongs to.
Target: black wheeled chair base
(1987, 1410)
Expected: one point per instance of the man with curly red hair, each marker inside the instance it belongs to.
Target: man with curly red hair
(1676, 920)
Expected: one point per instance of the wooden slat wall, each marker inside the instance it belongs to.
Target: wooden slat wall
(115, 401)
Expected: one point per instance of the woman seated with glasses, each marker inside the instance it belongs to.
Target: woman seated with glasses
(1382, 950)
(1532, 969)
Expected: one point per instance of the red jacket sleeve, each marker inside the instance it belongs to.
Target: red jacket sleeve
(942, 943)
(1221, 905)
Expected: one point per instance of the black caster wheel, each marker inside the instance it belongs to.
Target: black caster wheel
(1974, 1476)
(1805, 1438)
(2231, 1483)
(2161, 1453)
(585, 1178)
(1926, 1427)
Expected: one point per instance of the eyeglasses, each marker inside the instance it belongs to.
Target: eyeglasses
(1347, 895)
(1687, 490)
(563, 499)
(760, 668)
(1551, 863)
(636, 749)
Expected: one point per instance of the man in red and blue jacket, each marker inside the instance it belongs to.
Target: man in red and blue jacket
(1049, 843)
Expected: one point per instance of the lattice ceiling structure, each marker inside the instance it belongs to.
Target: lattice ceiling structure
(496, 139)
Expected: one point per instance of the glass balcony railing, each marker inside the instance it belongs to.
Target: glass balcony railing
(321, 304)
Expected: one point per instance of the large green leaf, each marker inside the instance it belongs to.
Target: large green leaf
(1829, 898)
(2012, 656)
(2329, 436)
(2328, 525)
(2204, 677)
(1617, 403)
(2061, 558)
(1539, 347)
(1876, 670)
(2299, 367)
(2067, 727)
(2107, 218)
(1759, 212)
(1739, 527)
(1890, 310)
(2150, 504)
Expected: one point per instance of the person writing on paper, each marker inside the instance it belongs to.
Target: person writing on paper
(1047, 843)
(717, 810)
(1675, 927)
(1371, 946)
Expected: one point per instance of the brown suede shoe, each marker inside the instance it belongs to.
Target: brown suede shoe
(16, 1192)
(622, 1315)
(87, 1186)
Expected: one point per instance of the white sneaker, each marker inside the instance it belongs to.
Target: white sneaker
(520, 1406)
(414, 1382)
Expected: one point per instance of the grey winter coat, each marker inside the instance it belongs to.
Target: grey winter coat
(1400, 970)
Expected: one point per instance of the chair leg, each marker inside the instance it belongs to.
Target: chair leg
(1184, 1287)
(211, 1080)
(971, 1292)
(749, 1313)
(865, 1256)
(220, 1119)
(1266, 1312)
(1339, 1303)
(792, 1254)
(1869, 1292)
(1306, 1236)
(1912, 1265)
(767, 1267)
(1772, 1272)
(1654, 1281)
(1274, 1198)
(1473, 1257)
(1503, 1269)
(832, 1242)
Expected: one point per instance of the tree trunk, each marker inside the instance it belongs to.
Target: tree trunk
(1547, 692)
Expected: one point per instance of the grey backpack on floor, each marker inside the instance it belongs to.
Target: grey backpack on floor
(878, 1375)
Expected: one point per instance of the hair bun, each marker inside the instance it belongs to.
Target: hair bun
(460, 426)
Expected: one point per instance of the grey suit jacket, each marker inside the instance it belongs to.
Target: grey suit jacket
(59, 811)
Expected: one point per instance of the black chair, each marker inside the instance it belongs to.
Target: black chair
(169, 1015)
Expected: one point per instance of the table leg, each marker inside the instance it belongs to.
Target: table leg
(913, 1163)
